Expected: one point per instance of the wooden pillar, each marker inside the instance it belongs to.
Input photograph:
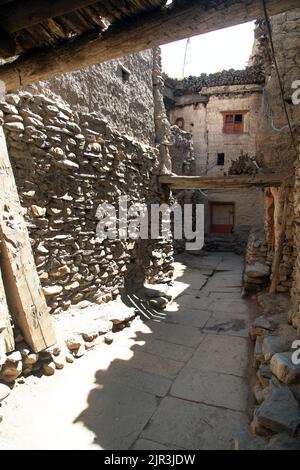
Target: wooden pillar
(279, 246)
(6, 335)
(24, 294)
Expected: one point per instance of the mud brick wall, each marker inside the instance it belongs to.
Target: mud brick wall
(66, 163)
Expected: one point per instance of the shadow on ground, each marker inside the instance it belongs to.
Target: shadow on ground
(178, 379)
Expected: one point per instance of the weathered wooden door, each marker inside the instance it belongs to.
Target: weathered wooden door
(24, 294)
(222, 217)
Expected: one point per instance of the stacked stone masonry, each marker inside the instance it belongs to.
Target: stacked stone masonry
(65, 164)
(276, 148)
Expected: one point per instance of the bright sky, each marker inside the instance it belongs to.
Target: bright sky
(224, 49)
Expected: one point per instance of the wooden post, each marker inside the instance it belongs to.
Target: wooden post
(279, 248)
(7, 333)
(24, 294)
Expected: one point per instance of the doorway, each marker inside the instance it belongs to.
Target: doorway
(222, 217)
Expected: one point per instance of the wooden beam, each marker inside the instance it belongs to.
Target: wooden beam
(7, 334)
(184, 19)
(23, 290)
(25, 14)
(279, 246)
(7, 45)
(226, 182)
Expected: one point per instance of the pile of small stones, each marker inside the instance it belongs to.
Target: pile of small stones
(244, 165)
(277, 391)
(65, 164)
(250, 75)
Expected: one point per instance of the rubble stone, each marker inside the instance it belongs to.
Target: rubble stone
(272, 345)
(284, 369)
(279, 412)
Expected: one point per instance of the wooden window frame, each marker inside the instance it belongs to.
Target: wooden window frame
(234, 127)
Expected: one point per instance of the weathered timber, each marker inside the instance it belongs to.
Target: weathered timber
(24, 294)
(144, 31)
(279, 247)
(7, 44)
(25, 14)
(226, 182)
(7, 334)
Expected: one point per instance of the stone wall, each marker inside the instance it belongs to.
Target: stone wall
(121, 91)
(205, 121)
(275, 147)
(274, 142)
(232, 145)
(66, 163)
(194, 118)
(182, 152)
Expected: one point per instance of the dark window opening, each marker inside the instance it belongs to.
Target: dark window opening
(238, 118)
(125, 74)
(180, 123)
(221, 159)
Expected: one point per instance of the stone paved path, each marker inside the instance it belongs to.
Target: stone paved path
(179, 380)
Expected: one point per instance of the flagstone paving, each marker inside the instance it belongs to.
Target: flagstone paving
(177, 379)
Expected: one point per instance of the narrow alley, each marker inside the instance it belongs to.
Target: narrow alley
(177, 380)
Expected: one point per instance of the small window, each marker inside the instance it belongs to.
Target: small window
(180, 123)
(233, 123)
(125, 74)
(221, 159)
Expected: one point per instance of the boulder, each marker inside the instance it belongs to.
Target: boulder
(10, 371)
(73, 343)
(261, 327)
(257, 270)
(284, 369)
(279, 412)
(272, 345)
(49, 368)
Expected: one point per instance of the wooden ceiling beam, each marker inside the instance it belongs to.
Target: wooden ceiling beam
(20, 14)
(7, 45)
(145, 31)
(220, 183)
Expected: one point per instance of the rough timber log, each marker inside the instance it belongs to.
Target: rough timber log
(24, 294)
(7, 334)
(184, 19)
(226, 182)
(24, 14)
(7, 44)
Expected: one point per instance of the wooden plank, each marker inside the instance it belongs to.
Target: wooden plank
(25, 14)
(226, 182)
(147, 30)
(279, 248)
(7, 45)
(7, 334)
(24, 294)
